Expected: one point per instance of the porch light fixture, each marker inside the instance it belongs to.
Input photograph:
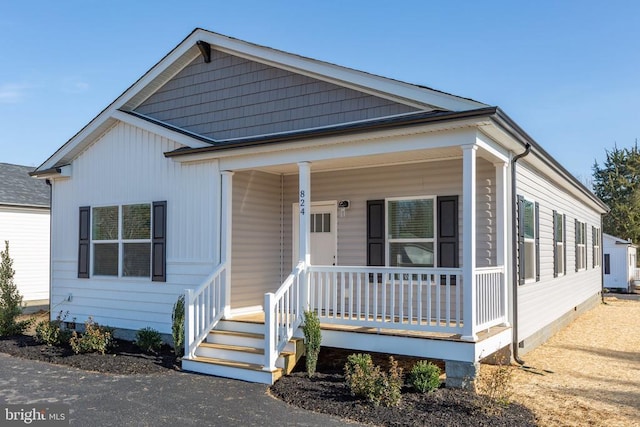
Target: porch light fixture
(343, 205)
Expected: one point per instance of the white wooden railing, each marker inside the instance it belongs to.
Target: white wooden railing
(636, 274)
(204, 307)
(490, 297)
(284, 313)
(424, 299)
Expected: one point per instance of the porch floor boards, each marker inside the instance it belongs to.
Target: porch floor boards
(258, 317)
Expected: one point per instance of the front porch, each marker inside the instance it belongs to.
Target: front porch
(437, 289)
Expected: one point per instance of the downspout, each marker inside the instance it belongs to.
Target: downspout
(602, 259)
(49, 183)
(514, 259)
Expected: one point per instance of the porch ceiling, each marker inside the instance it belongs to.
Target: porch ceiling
(341, 163)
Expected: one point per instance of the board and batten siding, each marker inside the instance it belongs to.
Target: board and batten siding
(233, 97)
(125, 166)
(620, 263)
(541, 303)
(256, 253)
(434, 178)
(27, 231)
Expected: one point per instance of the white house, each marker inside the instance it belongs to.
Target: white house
(264, 183)
(619, 263)
(24, 222)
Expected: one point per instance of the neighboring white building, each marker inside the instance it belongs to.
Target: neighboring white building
(619, 263)
(265, 183)
(24, 222)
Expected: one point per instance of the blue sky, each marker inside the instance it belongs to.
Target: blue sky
(566, 71)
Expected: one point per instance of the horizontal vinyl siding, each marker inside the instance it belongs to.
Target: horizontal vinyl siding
(540, 303)
(232, 97)
(27, 231)
(126, 165)
(438, 178)
(256, 237)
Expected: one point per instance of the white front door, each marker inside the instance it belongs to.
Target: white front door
(323, 224)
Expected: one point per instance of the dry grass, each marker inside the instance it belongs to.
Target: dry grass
(595, 371)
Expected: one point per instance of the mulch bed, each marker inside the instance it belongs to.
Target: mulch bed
(326, 392)
(124, 359)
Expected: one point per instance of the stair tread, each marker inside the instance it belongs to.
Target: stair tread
(241, 348)
(237, 333)
(231, 363)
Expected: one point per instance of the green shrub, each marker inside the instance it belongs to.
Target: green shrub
(50, 332)
(425, 376)
(95, 338)
(10, 298)
(149, 340)
(312, 340)
(370, 382)
(177, 326)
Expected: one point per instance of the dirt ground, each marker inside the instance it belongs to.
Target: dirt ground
(595, 364)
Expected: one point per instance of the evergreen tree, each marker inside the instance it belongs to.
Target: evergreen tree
(617, 183)
(10, 298)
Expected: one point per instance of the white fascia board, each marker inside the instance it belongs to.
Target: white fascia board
(154, 128)
(394, 90)
(332, 149)
(498, 152)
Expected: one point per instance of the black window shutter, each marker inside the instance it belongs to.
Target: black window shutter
(607, 264)
(448, 231)
(555, 245)
(84, 248)
(375, 233)
(537, 213)
(576, 239)
(521, 256)
(159, 243)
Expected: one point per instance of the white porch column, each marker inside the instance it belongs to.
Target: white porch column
(226, 226)
(469, 240)
(304, 199)
(502, 233)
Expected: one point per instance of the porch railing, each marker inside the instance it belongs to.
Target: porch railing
(423, 299)
(284, 313)
(204, 307)
(490, 297)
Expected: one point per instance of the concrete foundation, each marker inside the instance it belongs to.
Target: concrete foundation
(461, 374)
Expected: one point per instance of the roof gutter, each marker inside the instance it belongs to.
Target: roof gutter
(514, 259)
(352, 128)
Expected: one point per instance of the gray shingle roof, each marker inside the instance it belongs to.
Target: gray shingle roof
(18, 188)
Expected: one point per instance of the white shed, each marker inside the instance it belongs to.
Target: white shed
(619, 263)
(25, 223)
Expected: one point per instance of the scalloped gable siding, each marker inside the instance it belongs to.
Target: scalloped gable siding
(232, 97)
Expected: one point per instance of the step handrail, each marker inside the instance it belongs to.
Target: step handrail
(204, 307)
(283, 313)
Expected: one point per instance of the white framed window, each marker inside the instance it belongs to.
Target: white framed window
(581, 247)
(530, 233)
(597, 246)
(121, 240)
(560, 247)
(411, 223)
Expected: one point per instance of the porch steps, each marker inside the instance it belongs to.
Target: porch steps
(235, 349)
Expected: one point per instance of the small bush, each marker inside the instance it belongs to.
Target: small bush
(149, 340)
(368, 381)
(95, 338)
(425, 376)
(10, 298)
(50, 332)
(312, 340)
(495, 382)
(177, 326)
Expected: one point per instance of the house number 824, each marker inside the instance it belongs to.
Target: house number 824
(302, 202)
